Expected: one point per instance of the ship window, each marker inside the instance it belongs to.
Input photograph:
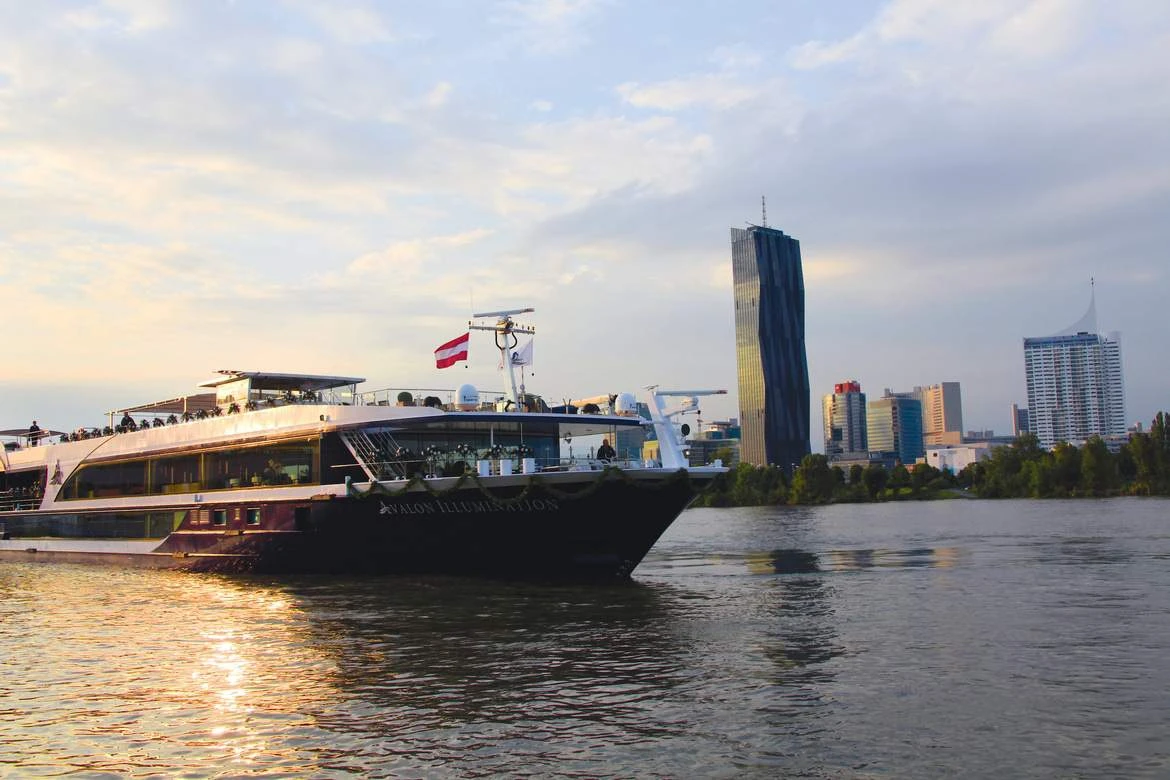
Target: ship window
(286, 463)
(219, 517)
(283, 463)
(106, 480)
(253, 516)
(176, 475)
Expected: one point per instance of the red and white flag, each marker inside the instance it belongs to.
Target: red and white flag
(452, 352)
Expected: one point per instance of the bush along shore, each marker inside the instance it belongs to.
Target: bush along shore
(1019, 470)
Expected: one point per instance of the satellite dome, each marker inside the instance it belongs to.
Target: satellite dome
(626, 405)
(467, 398)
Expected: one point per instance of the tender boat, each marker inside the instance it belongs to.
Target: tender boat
(275, 473)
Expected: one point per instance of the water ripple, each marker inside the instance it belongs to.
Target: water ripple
(1021, 639)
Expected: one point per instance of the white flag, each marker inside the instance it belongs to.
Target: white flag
(523, 356)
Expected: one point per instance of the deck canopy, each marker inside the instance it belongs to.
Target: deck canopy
(565, 424)
(24, 432)
(262, 380)
(242, 387)
(186, 403)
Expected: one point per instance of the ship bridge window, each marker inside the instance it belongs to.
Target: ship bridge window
(454, 452)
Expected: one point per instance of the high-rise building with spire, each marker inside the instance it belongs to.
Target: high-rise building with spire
(769, 346)
(1075, 385)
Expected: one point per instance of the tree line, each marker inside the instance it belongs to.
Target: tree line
(1020, 470)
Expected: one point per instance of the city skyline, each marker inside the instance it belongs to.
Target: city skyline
(194, 186)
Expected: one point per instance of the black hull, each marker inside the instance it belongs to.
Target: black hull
(596, 530)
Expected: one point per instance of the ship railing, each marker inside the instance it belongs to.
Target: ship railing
(442, 398)
(432, 468)
(15, 500)
(406, 396)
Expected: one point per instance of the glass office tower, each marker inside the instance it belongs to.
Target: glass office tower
(844, 420)
(894, 424)
(769, 346)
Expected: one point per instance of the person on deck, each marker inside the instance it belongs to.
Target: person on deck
(34, 433)
(605, 452)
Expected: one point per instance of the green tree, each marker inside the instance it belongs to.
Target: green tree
(971, 476)
(856, 474)
(1066, 471)
(899, 478)
(1003, 476)
(875, 479)
(922, 475)
(1144, 457)
(1098, 469)
(1039, 476)
(757, 485)
(1160, 440)
(814, 482)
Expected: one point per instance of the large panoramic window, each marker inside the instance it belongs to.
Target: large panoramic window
(272, 464)
(127, 478)
(176, 475)
(283, 463)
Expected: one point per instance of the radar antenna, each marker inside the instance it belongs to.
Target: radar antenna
(506, 329)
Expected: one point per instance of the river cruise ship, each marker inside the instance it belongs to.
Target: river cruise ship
(276, 472)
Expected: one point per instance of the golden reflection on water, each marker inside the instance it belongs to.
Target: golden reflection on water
(253, 640)
(804, 562)
(154, 665)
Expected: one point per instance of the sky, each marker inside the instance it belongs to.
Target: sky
(335, 188)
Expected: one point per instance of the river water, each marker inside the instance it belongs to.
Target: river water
(964, 638)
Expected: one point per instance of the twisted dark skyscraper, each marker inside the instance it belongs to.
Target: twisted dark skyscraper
(769, 347)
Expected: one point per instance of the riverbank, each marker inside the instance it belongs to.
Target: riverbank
(1140, 467)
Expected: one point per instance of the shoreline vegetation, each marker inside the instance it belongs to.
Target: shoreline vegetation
(1020, 470)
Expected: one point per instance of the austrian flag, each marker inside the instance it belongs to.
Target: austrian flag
(452, 352)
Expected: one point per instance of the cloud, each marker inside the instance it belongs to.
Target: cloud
(712, 91)
(906, 30)
(546, 27)
(736, 57)
(405, 260)
(439, 96)
(333, 189)
(354, 25)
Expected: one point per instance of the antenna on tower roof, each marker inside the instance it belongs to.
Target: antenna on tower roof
(764, 207)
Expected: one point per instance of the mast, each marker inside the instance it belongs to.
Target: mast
(670, 442)
(506, 329)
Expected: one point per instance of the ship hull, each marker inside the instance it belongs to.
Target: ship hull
(596, 526)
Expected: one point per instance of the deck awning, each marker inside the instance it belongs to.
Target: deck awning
(262, 380)
(23, 432)
(187, 403)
